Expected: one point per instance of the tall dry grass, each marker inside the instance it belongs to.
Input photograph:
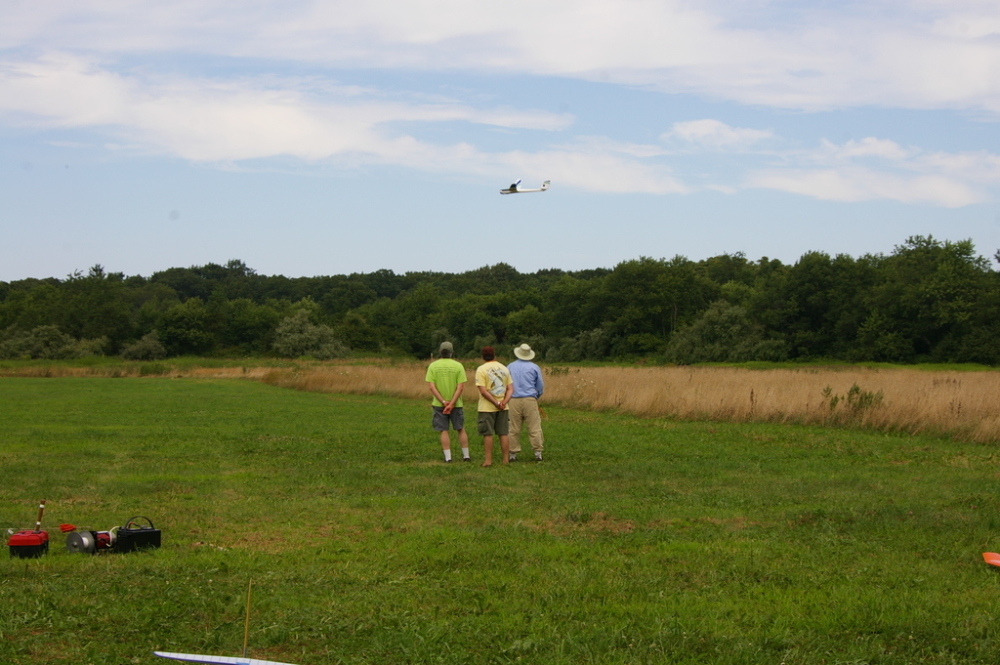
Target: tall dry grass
(964, 405)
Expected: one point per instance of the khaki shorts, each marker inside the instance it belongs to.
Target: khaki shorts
(493, 422)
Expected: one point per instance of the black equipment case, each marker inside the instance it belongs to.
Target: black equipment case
(138, 533)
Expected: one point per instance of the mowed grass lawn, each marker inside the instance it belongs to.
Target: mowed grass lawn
(635, 541)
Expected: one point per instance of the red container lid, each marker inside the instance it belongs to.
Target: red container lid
(28, 538)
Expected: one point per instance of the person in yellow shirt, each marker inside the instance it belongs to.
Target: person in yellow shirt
(495, 388)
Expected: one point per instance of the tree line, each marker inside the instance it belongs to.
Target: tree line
(926, 301)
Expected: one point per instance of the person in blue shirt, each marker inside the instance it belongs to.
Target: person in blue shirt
(523, 406)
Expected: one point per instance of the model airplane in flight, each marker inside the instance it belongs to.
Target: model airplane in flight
(513, 189)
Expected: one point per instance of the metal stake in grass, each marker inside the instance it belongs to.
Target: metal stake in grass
(246, 623)
(41, 511)
(226, 660)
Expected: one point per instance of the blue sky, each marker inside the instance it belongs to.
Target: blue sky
(316, 138)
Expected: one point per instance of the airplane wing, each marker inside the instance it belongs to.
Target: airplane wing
(216, 660)
(514, 189)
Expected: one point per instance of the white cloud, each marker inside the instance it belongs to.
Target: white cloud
(913, 55)
(233, 121)
(100, 65)
(873, 168)
(225, 120)
(866, 147)
(860, 184)
(715, 134)
(596, 171)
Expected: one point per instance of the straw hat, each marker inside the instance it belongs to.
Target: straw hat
(524, 352)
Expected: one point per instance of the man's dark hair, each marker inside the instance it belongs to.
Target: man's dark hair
(488, 353)
(445, 353)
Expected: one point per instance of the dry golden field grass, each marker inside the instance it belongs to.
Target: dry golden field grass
(965, 405)
(961, 404)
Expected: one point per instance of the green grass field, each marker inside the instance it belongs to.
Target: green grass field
(636, 541)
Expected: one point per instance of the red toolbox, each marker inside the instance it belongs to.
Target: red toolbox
(28, 544)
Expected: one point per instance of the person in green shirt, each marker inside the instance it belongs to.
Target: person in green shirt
(446, 379)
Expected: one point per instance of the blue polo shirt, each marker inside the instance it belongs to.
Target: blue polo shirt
(527, 379)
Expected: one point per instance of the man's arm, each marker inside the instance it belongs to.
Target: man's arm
(506, 396)
(501, 404)
(436, 392)
(441, 398)
(453, 402)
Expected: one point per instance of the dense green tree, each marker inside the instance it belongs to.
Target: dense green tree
(527, 322)
(185, 282)
(928, 300)
(653, 297)
(297, 336)
(574, 304)
(414, 317)
(248, 326)
(95, 305)
(355, 330)
(185, 328)
(30, 303)
(817, 304)
(44, 343)
(730, 268)
(723, 333)
(147, 348)
(927, 291)
(468, 319)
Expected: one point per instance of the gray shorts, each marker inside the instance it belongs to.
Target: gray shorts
(440, 420)
(494, 422)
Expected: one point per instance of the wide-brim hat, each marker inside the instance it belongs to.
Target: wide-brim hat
(524, 352)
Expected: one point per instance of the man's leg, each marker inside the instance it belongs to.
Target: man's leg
(439, 422)
(533, 423)
(488, 450)
(516, 409)
(446, 445)
(503, 431)
(463, 440)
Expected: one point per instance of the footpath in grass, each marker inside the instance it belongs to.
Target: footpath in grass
(636, 541)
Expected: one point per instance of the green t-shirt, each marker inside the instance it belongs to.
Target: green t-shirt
(446, 374)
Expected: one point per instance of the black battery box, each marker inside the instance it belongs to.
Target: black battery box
(137, 534)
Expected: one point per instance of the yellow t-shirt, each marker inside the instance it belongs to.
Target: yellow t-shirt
(495, 378)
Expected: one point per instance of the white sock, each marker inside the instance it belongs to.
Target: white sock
(447, 456)
(465, 453)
